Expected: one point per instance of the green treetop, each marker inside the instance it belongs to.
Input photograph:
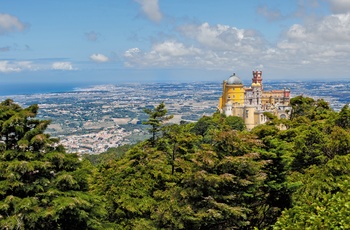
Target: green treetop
(157, 117)
(343, 119)
(41, 187)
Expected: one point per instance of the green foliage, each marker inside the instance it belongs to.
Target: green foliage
(301, 106)
(319, 168)
(343, 118)
(309, 148)
(322, 110)
(19, 131)
(215, 175)
(208, 126)
(224, 185)
(308, 107)
(275, 151)
(212, 174)
(322, 201)
(183, 184)
(177, 139)
(235, 123)
(316, 143)
(157, 117)
(128, 184)
(203, 125)
(110, 155)
(338, 142)
(41, 187)
(263, 131)
(270, 116)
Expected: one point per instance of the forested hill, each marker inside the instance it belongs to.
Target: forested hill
(212, 174)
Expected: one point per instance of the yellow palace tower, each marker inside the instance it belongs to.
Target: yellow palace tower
(232, 92)
(250, 103)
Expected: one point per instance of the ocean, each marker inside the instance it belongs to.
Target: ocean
(336, 93)
(8, 89)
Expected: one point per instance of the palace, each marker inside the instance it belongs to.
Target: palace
(250, 103)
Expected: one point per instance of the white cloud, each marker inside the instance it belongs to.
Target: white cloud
(9, 23)
(168, 53)
(223, 37)
(174, 49)
(326, 40)
(8, 67)
(315, 46)
(151, 9)
(99, 58)
(28, 65)
(19, 66)
(132, 52)
(62, 66)
(340, 6)
(216, 47)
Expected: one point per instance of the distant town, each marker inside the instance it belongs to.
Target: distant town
(92, 120)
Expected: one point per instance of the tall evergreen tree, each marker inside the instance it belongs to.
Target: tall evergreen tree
(176, 140)
(343, 118)
(41, 187)
(301, 106)
(157, 117)
(277, 191)
(322, 200)
(236, 123)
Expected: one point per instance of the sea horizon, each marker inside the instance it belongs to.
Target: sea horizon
(15, 89)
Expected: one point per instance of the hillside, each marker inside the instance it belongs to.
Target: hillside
(211, 174)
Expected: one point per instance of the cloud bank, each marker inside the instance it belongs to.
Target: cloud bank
(314, 42)
(7, 66)
(317, 44)
(19, 66)
(215, 47)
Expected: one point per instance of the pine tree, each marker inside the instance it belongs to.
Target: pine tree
(157, 117)
(177, 140)
(322, 200)
(41, 187)
(343, 119)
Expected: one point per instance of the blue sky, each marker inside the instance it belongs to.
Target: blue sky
(179, 40)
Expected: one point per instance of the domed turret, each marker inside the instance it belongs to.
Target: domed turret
(234, 80)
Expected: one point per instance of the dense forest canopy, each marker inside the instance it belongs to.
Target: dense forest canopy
(41, 187)
(211, 174)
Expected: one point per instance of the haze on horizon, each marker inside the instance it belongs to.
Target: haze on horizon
(159, 40)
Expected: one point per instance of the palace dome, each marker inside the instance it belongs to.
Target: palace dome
(234, 80)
